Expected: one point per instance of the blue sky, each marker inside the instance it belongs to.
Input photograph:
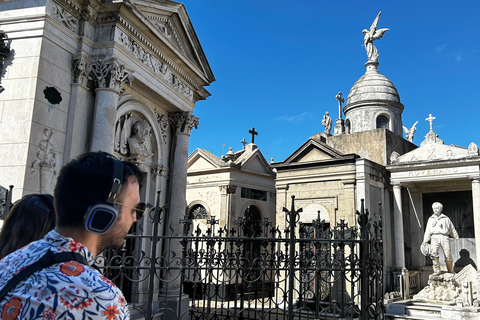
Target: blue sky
(279, 65)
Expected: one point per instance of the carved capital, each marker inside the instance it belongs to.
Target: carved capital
(229, 189)
(110, 75)
(81, 69)
(183, 122)
(159, 171)
(120, 77)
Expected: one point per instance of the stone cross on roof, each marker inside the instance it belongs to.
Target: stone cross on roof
(430, 119)
(244, 142)
(254, 133)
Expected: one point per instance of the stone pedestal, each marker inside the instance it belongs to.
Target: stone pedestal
(339, 127)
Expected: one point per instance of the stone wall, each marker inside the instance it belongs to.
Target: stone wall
(376, 145)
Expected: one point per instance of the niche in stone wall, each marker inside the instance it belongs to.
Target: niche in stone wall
(133, 137)
(458, 206)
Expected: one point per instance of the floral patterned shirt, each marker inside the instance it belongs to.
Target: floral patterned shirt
(66, 290)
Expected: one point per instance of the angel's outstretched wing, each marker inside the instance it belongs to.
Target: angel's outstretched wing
(374, 24)
(379, 33)
(405, 129)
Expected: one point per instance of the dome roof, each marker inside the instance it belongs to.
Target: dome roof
(372, 86)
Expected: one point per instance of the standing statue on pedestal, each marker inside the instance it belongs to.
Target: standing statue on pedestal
(439, 230)
(370, 36)
(327, 123)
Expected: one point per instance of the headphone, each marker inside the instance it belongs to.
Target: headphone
(101, 216)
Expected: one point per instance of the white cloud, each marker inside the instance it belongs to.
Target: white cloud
(440, 49)
(295, 118)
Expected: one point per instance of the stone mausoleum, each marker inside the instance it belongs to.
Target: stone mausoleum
(117, 76)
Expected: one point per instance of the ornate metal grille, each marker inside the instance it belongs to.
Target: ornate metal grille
(310, 271)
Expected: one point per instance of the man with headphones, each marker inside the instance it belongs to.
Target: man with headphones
(96, 201)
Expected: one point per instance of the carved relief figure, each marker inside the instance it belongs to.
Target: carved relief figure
(139, 143)
(327, 123)
(439, 230)
(372, 35)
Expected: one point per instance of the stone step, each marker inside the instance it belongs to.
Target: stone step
(413, 311)
(389, 316)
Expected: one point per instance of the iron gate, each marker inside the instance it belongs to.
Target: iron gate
(252, 270)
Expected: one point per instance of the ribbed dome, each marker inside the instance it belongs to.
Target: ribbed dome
(372, 103)
(372, 86)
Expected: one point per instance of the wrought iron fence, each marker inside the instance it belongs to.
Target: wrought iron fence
(252, 270)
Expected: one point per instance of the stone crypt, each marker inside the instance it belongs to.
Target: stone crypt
(117, 76)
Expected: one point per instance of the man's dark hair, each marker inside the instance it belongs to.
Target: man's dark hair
(84, 182)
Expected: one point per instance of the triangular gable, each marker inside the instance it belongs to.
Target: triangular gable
(252, 160)
(255, 164)
(313, 150)
(433, 149)
(200, 164)
(170, 19)
(201, 160)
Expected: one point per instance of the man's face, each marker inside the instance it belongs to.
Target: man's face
(129, 198)
(437, 208)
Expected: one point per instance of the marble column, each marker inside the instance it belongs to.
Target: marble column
(80, 109)
(476, 213)
(171, 296)
(109, 77)
(398, 227)
(183, 123)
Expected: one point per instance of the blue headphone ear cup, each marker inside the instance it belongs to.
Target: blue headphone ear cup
(100, 218)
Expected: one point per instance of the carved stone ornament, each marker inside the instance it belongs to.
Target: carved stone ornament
(183, 122)
(81, 70)
(431, 138)
(110, 75)
(133, 139)
(46, 155)
(163, 122)
(64, 17)
(394, 157)
(165, 26)
(159, 171)
(473, 149)
(46, 162)
(158, 67)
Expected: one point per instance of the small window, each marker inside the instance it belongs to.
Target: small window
(254, 194)
(198, 212)
(382, 122)
(348, 126)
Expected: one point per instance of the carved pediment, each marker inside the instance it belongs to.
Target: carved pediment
(166, 26)
(438, 152)
(171, 20)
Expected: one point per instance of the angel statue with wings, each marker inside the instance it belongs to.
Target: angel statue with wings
(372, 35)
(409, 133)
